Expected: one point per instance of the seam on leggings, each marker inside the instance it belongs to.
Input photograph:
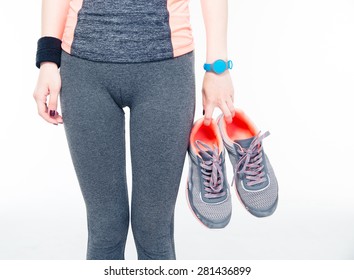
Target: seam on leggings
(121, 98)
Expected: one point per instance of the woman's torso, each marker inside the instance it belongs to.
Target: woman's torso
(128, 30)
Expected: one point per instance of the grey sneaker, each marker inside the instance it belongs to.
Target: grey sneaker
(256, 183)
(208, 192)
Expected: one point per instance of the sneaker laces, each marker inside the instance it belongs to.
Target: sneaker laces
(211, 171)
(251, 160)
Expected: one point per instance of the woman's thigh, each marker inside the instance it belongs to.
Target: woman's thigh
(94, 128)
(161, 116)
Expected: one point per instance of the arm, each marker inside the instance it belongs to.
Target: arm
(217, 89)
(54, 17)
(54, 14)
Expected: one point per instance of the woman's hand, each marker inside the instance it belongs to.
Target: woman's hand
(218, 91)
(49, 83)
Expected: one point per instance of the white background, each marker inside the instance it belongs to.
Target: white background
(293, 75)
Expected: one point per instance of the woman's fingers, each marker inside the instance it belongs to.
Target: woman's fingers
(227, 114)
(230, 105)
(40, 96)
(226, 106)
(218, 92)
(53, 104)
(49, 83)
(209, 109)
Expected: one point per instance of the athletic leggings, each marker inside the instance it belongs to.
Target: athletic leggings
(161, 98)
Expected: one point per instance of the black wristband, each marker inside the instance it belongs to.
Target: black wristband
(48, 49)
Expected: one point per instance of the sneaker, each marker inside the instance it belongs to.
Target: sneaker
(208, 192)
(256, 184)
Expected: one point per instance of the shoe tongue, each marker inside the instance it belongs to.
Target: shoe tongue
(245, 143)
(205, 154)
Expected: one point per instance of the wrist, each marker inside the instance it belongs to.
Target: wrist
(211, 73)
(48, 64)
(218, 66)
(48, 50)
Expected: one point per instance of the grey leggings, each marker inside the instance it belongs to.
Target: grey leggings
(161, 98)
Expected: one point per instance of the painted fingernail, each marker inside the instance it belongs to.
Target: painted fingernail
(52, 113)
(55, 123)
(203, 112)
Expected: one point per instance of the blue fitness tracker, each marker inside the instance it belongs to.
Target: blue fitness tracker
(219, 66)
